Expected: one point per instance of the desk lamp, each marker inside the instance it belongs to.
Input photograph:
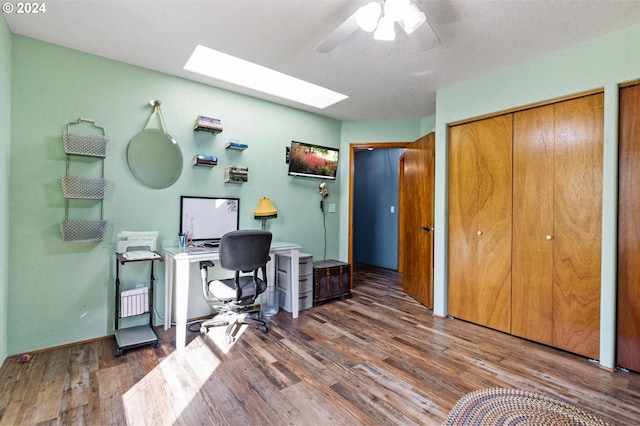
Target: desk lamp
(264, 211)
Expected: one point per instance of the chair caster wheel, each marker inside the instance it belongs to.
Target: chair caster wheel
(118, 353)
(203, 330)
(229, 339)
(264, 329)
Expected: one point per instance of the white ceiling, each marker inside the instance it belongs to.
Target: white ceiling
(384, 80)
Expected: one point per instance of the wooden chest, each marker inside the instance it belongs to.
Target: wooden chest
(331, 280)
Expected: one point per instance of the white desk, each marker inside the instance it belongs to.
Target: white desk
(178, 260)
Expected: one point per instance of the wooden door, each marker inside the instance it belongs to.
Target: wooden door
(557, 224)
(532, 264)
(628, 333)
(416, 209)
(579, 139)
(464, 152)
(480, 209)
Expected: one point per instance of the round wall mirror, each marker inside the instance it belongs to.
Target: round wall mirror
(154, 158)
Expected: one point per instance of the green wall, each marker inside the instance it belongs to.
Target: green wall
(427, 124)
(601, 63)
(63, 292)
(59, 292)
(368, 131)
(5, 149)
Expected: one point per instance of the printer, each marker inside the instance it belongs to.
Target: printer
(137, 243)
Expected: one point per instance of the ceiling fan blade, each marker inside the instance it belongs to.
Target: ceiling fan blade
(424, 37)
(338, 35)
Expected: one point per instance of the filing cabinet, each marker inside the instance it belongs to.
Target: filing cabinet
(305, 277)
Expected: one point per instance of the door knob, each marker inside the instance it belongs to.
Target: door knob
(427, 228)
(549, 237)
(479, 232)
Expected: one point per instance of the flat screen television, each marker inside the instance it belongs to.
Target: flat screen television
(313, 161)
(207, 219)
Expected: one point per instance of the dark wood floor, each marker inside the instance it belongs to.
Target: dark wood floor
(378, 358)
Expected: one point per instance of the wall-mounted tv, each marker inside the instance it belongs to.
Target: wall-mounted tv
(314, 161)
(207, 219)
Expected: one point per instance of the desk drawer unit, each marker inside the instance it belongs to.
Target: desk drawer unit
(305, 263)
(331, 280)
(305, 278)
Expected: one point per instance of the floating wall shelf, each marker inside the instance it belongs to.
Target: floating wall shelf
(207, 124)
(236, 145)
(204, 160)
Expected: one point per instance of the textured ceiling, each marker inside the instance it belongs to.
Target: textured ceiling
(384, 80)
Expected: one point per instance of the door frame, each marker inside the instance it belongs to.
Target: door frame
(353, 147)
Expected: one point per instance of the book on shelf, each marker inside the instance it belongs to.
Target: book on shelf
(208, 120)
(243, 169)
(205, 160)
(208, 123)
(236, 145)
(236, 174)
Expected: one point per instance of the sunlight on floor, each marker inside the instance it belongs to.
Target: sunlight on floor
(175, 381)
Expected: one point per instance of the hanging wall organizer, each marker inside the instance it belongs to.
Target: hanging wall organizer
(81, 188)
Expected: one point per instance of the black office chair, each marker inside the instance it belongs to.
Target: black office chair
(246, 252)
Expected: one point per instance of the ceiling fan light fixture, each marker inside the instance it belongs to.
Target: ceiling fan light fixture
(385, 30)
(413, 18)
(395, 9)
(368, 16)
(379, 17)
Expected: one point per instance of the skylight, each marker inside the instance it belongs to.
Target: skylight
(221, 66)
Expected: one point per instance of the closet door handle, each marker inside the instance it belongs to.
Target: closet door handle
(549, 237)
(427, 228)
(479, 232)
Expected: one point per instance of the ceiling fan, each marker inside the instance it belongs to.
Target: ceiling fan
(380, 18)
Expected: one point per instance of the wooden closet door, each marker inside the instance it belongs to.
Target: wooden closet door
(628, 333)
(579, 141)
(533, 159)
(557, 224)
(480, 209)
(464, 180)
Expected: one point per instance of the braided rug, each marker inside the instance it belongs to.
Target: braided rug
(500, 406)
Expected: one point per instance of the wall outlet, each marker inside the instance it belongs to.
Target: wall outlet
(332, 208)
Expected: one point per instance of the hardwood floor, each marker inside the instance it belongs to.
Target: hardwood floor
(379, 358)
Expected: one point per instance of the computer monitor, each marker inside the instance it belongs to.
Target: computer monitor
(207, 219)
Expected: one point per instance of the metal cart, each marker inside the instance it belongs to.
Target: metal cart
(132, 305)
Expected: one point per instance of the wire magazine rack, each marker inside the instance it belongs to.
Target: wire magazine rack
(82, 188)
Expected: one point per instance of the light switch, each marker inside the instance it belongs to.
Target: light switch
(392, 209)
(332, 208)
